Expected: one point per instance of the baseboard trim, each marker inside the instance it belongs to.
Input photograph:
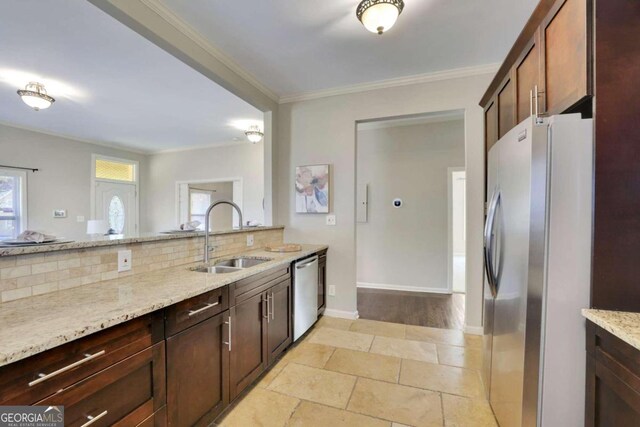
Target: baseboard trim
(473, 330)
(390, 287)
(341, 314)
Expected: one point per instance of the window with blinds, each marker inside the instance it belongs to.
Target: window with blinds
(115, 171)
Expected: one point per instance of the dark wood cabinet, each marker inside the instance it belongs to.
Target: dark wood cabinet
(124, 394)
(566, 43)
(179, 366)
(322, 282)
(527, 77)
(506, 107)
(279, 321)
(197, 372)
(613, 380)
(248, 341)
(548, 70)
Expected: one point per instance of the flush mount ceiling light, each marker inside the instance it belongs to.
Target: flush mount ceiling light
(254, 134)
(35, 96)
(378, 16)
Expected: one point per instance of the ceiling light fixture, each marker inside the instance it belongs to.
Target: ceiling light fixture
(378, 16)
(254, 134)
(35, 96)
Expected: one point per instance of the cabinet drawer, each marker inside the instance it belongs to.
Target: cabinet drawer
(158, 419)
(125, 394)
(187, 313)
(246, 288)
(30, 380)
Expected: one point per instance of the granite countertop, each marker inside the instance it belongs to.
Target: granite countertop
(622, 324)
(35, 324)
(111, 241)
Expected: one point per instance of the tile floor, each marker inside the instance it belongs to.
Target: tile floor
(369, 373)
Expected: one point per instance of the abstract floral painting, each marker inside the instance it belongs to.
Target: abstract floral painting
(312, 189)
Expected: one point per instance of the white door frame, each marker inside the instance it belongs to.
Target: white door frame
(94, 180)
(450, 172)
(238, 193)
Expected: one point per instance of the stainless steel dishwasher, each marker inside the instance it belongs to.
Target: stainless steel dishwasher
(305, 295)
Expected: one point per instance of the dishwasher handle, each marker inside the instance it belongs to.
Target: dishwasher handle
(308, 263)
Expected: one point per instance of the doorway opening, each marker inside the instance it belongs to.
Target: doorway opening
(194, 197)
(408, 224)
(457, 183)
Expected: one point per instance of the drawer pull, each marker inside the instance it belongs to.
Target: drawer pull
(93, 419)
(45, 377)
(200, 310)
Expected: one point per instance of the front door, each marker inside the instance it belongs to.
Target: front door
(117, 204)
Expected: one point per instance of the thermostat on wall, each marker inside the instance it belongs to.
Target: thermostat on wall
(397, 203)
(60, 213)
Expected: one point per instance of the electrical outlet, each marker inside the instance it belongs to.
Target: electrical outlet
(249, 239)
(332, 290)
(331, 220)
(124, 261)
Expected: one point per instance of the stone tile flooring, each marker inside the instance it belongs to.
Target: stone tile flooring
(369, 373)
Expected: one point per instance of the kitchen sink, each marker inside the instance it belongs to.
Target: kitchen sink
(230, 265)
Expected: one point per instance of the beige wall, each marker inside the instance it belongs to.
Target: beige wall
(243, 160)
(323, 131)
(407, 248)
(63, 180)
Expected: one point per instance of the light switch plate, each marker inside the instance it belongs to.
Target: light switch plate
(249, 239)
(332, 290)
(124, 261)
(331, 220)
(80, 218)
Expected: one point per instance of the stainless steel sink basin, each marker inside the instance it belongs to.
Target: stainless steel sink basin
(216, 269)
(241, 262)
(230, 265)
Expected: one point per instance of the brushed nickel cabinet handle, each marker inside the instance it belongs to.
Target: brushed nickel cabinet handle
(273, 306)
(93, 419)
(531, 102)
(535, 89)
(228, 343)
(265, 307)
(45, 377)
(200, 310)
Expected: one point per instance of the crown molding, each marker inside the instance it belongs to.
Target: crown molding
(172, 19)
(455, 73)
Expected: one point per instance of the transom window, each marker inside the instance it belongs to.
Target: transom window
(13, 201)
(114, 170)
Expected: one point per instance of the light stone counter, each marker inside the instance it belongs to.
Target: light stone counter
(623, 325)
(115, 240)
(31, 325)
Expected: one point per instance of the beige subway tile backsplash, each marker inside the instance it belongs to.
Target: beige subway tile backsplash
(36, 274)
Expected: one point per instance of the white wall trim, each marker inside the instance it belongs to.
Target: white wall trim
(165, 13)
(395, 82)
(450, 254)
(392, 287)
(341, 314)
(473, 330)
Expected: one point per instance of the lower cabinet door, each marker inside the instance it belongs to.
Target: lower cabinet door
(248, 356)
(124, 394)
(279, 323)
(197, 372)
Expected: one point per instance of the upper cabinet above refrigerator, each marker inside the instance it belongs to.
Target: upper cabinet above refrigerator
(548, 70)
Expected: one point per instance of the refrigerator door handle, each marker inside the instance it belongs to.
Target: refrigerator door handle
(488, 242)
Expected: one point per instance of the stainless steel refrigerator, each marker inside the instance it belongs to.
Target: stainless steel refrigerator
(537, 241)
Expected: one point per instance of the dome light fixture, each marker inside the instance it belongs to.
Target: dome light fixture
(35, 96)
(254, 134)
(379, 16)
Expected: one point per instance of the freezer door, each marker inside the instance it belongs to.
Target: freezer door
(512, 255)
(489, 233)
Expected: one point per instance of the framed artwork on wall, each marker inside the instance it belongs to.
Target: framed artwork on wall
(312, 189)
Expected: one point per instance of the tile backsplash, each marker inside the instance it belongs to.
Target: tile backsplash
(22, 276)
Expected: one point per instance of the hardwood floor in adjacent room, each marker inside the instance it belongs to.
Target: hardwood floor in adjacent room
(412, 308)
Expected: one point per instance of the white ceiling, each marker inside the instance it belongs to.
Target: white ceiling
(298, 46)
(111, 85)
